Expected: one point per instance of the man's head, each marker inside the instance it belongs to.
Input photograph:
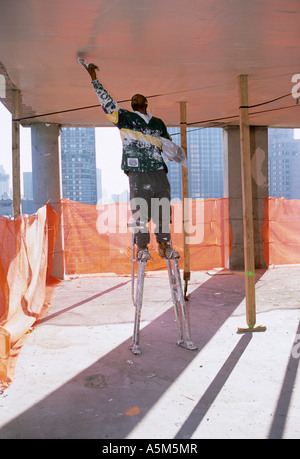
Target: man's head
(139, 103)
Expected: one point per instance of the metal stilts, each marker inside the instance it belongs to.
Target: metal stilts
(177, 298)
(138, 302)
(179, 305)
(137, 296)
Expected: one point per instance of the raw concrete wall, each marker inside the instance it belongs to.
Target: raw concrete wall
(233, 190)
(46, 180)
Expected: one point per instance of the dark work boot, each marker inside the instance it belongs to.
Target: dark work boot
(166, 251)
(143, 254)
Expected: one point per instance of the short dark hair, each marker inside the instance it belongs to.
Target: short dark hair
(140, 95)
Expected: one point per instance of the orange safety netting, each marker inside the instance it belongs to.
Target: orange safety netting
(281, 231)
(26, 259)
(97, 238)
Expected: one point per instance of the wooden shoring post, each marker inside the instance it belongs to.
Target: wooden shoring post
(185, 200)
(16, 102)
(249, 258)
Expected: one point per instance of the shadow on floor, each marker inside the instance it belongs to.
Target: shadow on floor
(283, 404)
(109, 398)
(213, 390)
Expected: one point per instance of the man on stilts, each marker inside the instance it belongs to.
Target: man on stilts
(143, 137)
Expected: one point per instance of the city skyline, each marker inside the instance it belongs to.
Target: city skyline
(108, 157)
(78, 164)
(108, 154)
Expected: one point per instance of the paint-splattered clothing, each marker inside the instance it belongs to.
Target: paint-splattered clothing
(144, 165)
(141, 144)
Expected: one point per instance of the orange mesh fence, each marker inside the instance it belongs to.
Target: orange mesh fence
(97, 239)
(281, 231)
(26, 253)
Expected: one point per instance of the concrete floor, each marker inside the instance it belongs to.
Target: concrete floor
(76, 377)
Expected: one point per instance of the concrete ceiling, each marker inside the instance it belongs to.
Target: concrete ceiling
(190, 50)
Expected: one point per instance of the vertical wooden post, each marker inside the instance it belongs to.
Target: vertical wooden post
(247, 202)
(16, 102)
(185, 198)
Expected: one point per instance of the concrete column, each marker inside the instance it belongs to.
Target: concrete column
(233, 190)
(46, 180)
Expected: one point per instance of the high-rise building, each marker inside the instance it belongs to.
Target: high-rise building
(4, 183)
(205, 159)
(284, 164)
(78, 164)
(27, 185)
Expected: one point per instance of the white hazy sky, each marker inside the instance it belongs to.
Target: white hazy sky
(108, 153)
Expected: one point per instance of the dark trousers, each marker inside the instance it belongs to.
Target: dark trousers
(150, 199)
